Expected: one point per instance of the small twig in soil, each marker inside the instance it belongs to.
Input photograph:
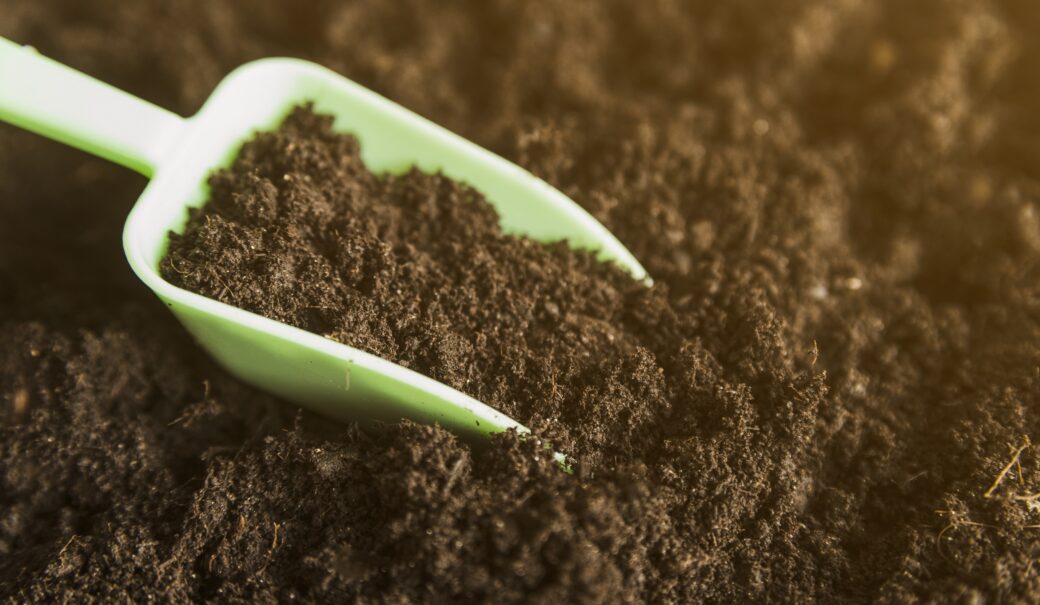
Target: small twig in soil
(456, 470)
(67, 545)
(956, 520)
(271, 549)
(913, 478)
(1007, 468)
(173, 265)
(274, 542)
(193, 411)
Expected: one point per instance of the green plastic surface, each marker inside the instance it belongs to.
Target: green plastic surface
(51, 99)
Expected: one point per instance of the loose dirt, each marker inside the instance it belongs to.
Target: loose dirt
(830, 394)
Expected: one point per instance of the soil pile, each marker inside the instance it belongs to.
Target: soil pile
(838, 200)
(415, 268)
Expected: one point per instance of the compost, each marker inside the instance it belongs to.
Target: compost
(831, 392)
(415, 268)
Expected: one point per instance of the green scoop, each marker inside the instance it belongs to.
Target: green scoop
(178, 154)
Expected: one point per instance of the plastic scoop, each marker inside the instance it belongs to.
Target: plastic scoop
(178, 154)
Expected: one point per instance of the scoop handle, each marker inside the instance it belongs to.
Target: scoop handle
(58, 102)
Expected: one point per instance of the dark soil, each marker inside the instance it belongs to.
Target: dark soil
(839, 204)
(415, 268)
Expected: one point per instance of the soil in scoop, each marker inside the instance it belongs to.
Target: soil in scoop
(837, 200)
(415, 268)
